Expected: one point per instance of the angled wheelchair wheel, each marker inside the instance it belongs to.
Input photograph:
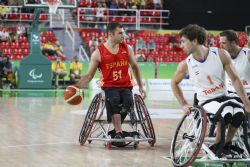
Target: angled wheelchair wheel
(145, 119)
(189, 137)
(90, 119)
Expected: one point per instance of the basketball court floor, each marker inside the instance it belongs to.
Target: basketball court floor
(38, 129)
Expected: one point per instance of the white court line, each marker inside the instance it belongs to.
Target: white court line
(56, 143)
(154, 113)
(38, 144)
(166, 157)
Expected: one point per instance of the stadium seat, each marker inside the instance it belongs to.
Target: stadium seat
(25, 52)
(23, 16)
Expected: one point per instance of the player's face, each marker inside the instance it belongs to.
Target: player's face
(118, 35)
(224, 43)
(187, 45)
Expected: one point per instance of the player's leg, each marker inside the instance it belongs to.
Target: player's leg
(237, 119)
(114, 106)
(127, 102)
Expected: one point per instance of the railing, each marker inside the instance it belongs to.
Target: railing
(86, 17)
(69, 30)
(83, 56)
(133, 19)
(15, 15)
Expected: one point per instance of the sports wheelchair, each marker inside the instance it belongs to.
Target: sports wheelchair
(95, 127)
(196, 132)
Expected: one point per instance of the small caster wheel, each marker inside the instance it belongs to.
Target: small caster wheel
(89, 141)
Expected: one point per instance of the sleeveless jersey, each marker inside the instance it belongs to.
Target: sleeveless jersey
(242, 66)
(115, 67)
(208, 77)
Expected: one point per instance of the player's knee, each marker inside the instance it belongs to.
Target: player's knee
(115, 104)
(228, 118)
(237, 119)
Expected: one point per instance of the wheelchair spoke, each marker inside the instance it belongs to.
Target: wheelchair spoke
(188, 138)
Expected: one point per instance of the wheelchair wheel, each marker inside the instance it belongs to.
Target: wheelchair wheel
(189, 137)
(145, 119)
(90, 119)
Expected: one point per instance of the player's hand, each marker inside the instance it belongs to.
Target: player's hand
(143, 93)
(186, 109)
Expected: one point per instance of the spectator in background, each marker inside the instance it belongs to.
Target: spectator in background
(6, 71)
(52, 49)
(143, 4)
(151, 45)
(21, 31)
(173, 43)
(113, 5)
(14, 2)
(99, 12)
(48, 49)
(3, 10)
(58, 49)
(75, 69)
(140, 57)
(5, 35)
(140, 44)
(58, 70)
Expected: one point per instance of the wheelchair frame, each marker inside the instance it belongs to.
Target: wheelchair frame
(195, 138)
(93, 122)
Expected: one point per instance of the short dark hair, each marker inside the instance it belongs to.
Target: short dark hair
(231, 36)
(112, 26)
(194, 31)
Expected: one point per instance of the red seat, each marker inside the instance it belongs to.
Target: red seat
(83, 3)
(151, 20)
(132, 19)
(43, 39)
(143, 20)
(30, 17)
(13, 16)
(24, 16)
(3, 45)
(93, 4)
(14, 45)
(43, 17)
(25, 52)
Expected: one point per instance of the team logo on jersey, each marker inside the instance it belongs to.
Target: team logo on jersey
(34, 75)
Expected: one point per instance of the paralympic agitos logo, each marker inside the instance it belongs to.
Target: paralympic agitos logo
(34, 75)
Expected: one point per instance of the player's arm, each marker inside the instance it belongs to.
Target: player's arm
(136, 71)
(179, 75)
(229, 68)
(93, 65)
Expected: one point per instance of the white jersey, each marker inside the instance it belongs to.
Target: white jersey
(242, 67)
(208, 77)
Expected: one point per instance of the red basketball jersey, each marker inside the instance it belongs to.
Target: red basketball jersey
(115, 67)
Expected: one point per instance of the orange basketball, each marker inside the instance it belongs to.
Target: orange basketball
(73, 95)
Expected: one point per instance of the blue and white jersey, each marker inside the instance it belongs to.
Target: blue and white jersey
(208, 77)
(242, 67)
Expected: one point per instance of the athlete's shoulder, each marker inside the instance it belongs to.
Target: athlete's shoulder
(214, 50)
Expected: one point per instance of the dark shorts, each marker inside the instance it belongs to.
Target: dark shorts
(118, 101)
